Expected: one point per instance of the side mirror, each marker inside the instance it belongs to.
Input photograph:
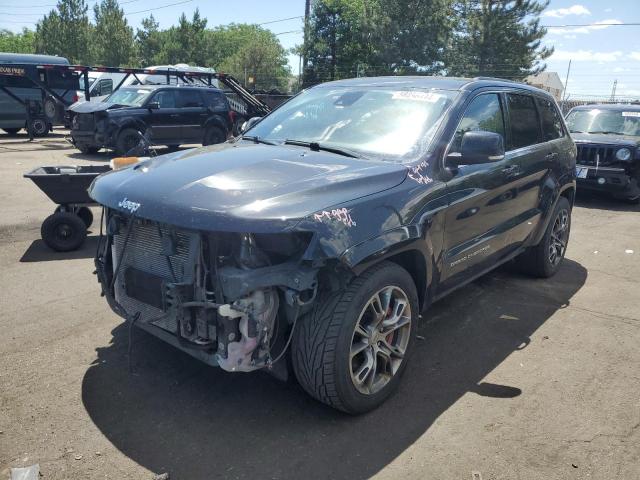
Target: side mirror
(153, 105)
(249, 123)
(478, 147)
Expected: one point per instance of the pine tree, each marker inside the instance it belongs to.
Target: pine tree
(113, 39)
(499, 38)
(66, 31)
(149, 40)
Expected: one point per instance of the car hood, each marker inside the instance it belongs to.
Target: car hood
(621, 140)
(241, 186)
(93, 107)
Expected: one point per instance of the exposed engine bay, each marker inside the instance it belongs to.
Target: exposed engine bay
(229, 299)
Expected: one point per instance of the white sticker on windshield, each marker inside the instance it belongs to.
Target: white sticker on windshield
(631, 114)
(418, 95)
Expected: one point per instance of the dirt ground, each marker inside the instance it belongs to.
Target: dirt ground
(512, 378)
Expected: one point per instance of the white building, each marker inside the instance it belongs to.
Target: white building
(549, 81)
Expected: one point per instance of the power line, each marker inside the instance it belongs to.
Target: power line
(593, 25)
(280, 20)
(158, 8)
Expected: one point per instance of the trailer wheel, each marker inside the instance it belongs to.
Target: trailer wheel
(85, 215)
(63, 231)
(50, 108)
(39, 127)
(11, 131)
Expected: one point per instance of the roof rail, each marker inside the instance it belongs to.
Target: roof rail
(497, 79)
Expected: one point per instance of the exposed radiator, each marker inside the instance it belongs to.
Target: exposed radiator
(144, 252)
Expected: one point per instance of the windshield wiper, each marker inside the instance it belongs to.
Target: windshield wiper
(256, 139)
(575, 131)
(316, 147)
(606, 132)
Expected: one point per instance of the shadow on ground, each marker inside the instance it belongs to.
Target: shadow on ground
(195, 422)
(39, 252)
(603, 201)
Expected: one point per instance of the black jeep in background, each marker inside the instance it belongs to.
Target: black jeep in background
(334, 222)
(172, 114)
(608, 141)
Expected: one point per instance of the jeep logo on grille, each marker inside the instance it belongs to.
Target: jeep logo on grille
(129, 205)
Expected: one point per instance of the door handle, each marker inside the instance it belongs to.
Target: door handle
(174, 115)
(511, 170)
(550, 156)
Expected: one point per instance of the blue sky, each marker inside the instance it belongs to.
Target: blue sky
(600, 54)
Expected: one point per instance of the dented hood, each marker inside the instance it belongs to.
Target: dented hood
(236, 187)
(93, 107)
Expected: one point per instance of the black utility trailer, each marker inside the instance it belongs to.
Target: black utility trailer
(66, 228)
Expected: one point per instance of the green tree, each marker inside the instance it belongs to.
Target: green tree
(113, 39)
(149, 42)
(345, 38)
(500, 38)
(249, 52)
(66, 31)
(23, 42)
(186, 43)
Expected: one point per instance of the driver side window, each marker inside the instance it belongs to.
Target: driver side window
(484, 113)
(166, 99)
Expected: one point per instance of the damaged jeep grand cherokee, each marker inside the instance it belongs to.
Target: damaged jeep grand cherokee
(318, 237)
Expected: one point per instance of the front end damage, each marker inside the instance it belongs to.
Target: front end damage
(229, 299)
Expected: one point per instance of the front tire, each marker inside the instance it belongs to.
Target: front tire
(544, 260)
(39, 127)
(128, 139)
(350, 351)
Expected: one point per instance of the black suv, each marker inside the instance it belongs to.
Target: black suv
(608, 141)
(334, 222)
(172, 114)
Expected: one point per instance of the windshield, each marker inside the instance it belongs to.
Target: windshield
(380, 123)
(616, 122)
(131, 97)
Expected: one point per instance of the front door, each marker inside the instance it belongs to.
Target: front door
(164, 121)
(479, 198)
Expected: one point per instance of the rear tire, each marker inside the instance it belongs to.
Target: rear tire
(346, 355)
(63, 231)
(213, 135)
(544, 260)
(11, 131)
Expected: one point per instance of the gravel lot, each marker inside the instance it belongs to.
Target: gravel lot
(513, 378)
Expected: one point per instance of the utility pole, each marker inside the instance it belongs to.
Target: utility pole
(566, 82)
(613, 90)
(307, 13)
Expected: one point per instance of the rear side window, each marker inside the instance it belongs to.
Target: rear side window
(189, 98)
(523, 116)
(551, 122)
(165, 98)
(216, 101)
(483, 113)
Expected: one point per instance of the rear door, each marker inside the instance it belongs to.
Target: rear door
(529, 157)
(164, 121)
(193, 114)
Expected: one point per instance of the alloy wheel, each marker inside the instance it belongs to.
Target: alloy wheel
(380, 339)
(559, 237)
